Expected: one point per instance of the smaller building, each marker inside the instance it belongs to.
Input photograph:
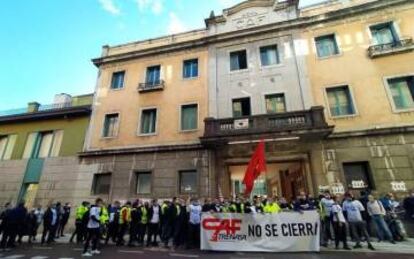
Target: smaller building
(38, 150)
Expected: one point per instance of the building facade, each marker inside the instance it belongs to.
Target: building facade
(38, 150)
(148, 116)
(369, 95)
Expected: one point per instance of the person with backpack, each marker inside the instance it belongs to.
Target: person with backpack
(93, 228)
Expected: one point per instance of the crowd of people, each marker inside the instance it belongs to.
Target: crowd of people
(176, 222)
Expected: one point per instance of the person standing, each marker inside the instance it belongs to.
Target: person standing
(113, 222)
(38, 212)
(377, 213)
(195, 210)
(133, 225)
(353, 209)
(9, 229)
(326, 204)
(124, 221)
(339, 224)
(64, 218)
(3, 215)
(143, 221)
(271, 207)
(237, 206)
(302, 203)
(50, 221)
(79, 223)
(93, 229)
(154, 223)
(408, 205)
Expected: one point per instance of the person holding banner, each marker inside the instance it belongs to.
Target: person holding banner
(271, 207)
(339, 223)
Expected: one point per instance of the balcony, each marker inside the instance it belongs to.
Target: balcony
(307, 123)
(396, 47)
(151, 86)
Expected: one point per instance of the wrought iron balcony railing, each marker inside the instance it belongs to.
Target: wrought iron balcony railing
(402, 45)
(151, 86)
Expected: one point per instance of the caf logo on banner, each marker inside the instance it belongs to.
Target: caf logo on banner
(229, 226)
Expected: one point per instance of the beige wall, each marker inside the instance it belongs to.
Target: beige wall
(363, 75)
(128, 102)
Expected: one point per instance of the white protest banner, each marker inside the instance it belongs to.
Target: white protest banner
(282, 232)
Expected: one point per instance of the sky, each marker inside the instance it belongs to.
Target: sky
(46, 46)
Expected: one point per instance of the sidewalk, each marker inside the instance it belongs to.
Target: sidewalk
(405, 247)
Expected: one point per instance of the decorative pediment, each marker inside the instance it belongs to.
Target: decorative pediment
(251, 13)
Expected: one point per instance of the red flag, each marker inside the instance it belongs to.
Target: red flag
(256, 166)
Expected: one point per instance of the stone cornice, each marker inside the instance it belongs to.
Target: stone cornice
(268, 28)
(138, 150)
(75, 111)
(373, 132)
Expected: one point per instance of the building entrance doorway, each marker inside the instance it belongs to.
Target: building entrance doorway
(282, 179)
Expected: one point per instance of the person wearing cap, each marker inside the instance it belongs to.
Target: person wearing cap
(357, 225)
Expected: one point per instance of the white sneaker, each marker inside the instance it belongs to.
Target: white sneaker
(87, 254)
(96, 252)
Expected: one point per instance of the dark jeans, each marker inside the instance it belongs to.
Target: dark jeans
(193, 240)
(79, 232)
(357, 229)
(326, 234)
(153, 229)
(9, 236)
(142, 230)
(61, 227)
(93, 235)
(340, 233)
(48, 231)
(112, 232)
(133, 232)
(382, 227)
(122, 230)
(167, 232)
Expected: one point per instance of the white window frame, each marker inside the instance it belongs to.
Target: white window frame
(180, 113)
(338, 44)
(351, 93)
(103, 125)
(389, 94)
(182, 69)
(139, 133)
(124, 83)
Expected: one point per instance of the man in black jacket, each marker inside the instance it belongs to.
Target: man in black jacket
(7, 229)
(3, 214)
(64, 218)
(50, 221)
(133, 227)
(154, 214)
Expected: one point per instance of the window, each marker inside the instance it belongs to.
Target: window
(6, 146)
(358, 176)
(101, 184)
(43, 144)
(148, 121)
(275, 103)
(269, 55)
(383, 33)
(118, 80)
(326, 46)
(340, 101)
(402, 92)
(190, 68)
(143, 183)
(110, 125)
(238, 60)
(153, 75)
(189, 117)
(241, 107)
(188, 181)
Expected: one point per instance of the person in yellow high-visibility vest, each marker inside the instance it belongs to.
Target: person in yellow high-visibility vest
(80, 231)
(124, 221)
(271, 207)
(142, 225)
